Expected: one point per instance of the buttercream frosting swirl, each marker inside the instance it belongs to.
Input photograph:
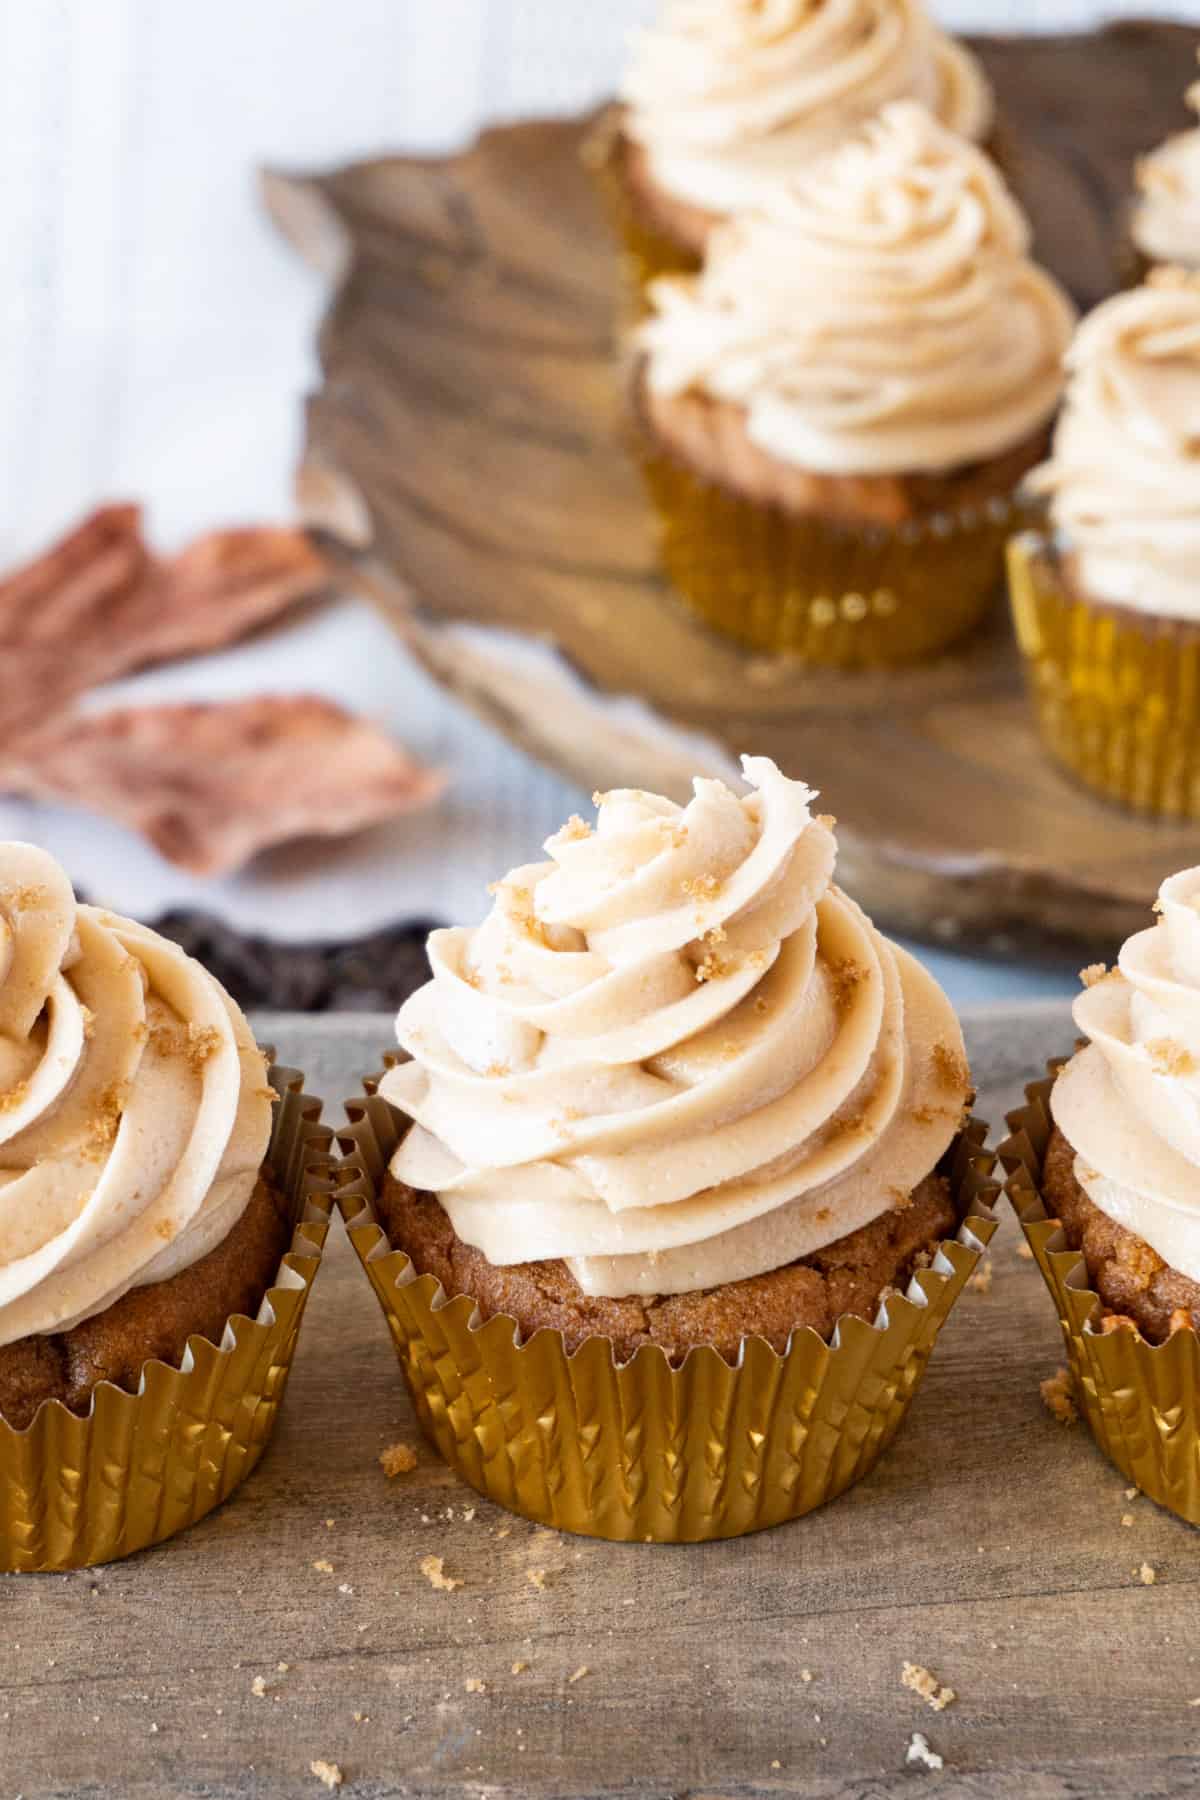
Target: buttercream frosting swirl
(1129, 1102)
(134, 1111)
(731, 97)
(882, 315)
(1124, 478)
(1166, 216)
(675, 1054)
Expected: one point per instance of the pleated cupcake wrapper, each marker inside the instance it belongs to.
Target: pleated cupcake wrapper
(140, 1467)
(1140, 1399)
(1116, 694)
(832, 594)
(639, 1450)
(646, 251)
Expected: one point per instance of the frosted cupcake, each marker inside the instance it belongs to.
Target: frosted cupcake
(675, 1112)
(837, 411)
(1107, 604)
(1106, 1171)
(145, 1202)
(726, 102)
(1164, 225)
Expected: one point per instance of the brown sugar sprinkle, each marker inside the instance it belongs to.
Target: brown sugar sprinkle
(470, 976)
(497, 1070)
(328, 1772)
(1169, 1058)
(919, 1679)
(1057, 1393)
(574, 830)
(951, 1066)
(845, 976)
(1093, 973)
(397, 1459)
(701, 887)
(433, 1568)
(10, 1100)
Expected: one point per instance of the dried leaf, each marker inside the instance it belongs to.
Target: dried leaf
(211, 784)
(99, 604)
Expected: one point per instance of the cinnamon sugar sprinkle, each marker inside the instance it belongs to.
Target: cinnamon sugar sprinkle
(951, 1066)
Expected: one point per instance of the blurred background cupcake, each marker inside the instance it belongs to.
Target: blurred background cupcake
(1164, 224)
(726, 101)
(1105, 1161)
(675, 1130)
(1107, 603)
(836, 412)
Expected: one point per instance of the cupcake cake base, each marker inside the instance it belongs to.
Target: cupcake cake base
(152, 1322)
(850, 1277)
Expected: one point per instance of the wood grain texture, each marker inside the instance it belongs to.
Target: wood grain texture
(466, 454)
(988, 1546)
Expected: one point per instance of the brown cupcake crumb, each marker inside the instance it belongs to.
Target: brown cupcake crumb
(433, 1569)
(919, 1679)
(327, 1772)
(397, 1459)
(1057, 1393)
(1147, 1575)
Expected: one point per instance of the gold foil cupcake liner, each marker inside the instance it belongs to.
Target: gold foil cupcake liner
(641, 1451)
(1140, 1399)
(833, 594)
(1116, 694)
(646, 251)
(139, 1467)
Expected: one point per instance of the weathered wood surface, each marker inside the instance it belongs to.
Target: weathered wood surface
(467, 452)
(988, 1547)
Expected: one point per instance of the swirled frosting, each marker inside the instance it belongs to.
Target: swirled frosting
(1166, 217)
(134, 1112)
(1129, 1103)
(675, 1054)
(1124, 478)
(881, 316)
(731, 98)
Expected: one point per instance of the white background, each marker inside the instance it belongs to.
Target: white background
(155, 339)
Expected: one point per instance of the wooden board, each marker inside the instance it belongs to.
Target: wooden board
(466, 455)
(988, 1546)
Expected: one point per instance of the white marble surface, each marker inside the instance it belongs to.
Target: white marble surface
(157, 338)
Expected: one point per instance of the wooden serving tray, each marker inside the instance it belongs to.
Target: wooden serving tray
(987, 1546)
(466, 455)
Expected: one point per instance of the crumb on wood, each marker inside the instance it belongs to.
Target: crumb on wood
(473, 1685)
(806, 1674)
(1147, 1574)
(579, 1674)
(927, 1685)
(323, 1566)
(397, 1459)
(1057, 1393)
(918, 1752)
(258, 1688)
(519, 1668)
(536, 1578)
(1025, 1251)
(981, 1280)
(327, 1772)
(433, 1568)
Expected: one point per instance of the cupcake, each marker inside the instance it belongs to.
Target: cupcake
(1164, 223)
(149, 1196)
(728, 101)
(836, 412)
(670, 1195)
(1107, 601)
(1105, 1176)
